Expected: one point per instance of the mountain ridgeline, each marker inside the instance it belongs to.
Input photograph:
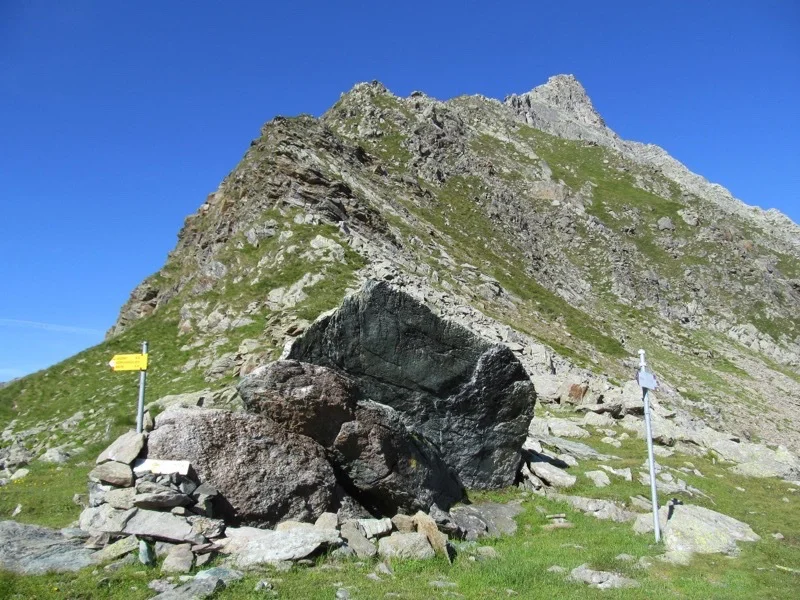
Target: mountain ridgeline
(529, 221)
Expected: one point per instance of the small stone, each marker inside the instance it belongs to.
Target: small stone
(625, 557)
(403, 523)
(486, 553)
(114, 473)
(556, 569)
(374, 528)
(179, 559)
(373, 577)
(263, 586)
(442, 584)
(327, 520)
(405, 545)
(19, 474)
(221, 573)
(777, 536)
(357, 541)
(342, 594)
(203, 559)
(599, 478)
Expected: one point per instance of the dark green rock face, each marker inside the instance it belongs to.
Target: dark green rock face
(470, 399)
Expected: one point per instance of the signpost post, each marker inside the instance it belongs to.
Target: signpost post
(134, 362)
(647, 382)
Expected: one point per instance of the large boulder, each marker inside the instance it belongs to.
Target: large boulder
(264, 473)
(383, 465)
(471, 399)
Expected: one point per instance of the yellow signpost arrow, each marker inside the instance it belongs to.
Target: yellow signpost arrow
(134, 362)
(128, 362)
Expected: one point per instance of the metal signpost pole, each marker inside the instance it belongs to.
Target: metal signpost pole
(651, 460)
(142, 380)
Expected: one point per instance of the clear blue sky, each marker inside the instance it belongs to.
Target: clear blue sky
(118, 118)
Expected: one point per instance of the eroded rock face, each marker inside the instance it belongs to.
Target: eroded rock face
(306, 399)
(472, 400)
(265, 473)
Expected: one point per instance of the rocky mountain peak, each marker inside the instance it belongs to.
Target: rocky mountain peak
(563, 93)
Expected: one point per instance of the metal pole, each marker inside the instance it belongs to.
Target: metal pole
(140, 409)
(650, 458)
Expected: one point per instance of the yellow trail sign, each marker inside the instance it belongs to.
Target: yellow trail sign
(128, 362)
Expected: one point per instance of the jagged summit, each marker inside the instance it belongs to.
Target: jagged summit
(563, 93)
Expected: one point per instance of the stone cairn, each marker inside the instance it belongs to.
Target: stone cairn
(161, 508)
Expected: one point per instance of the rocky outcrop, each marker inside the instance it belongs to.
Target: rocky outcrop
(472, 400)
(32, 550)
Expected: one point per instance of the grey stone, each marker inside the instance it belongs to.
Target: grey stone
(105, 518)
(114, 473)
(117, 549)
(327, 521)
(125, 449)
(599, 509)
(196, 589)
(552, 475)
(566, 429)
(160, 526)
(33, 550)
(486, 519)
(179, 559)
(403, 523)
(603, 580)
(223, 573)
(120, 498)
(374, 528)
(356, 540)
(472, 400)
(249, 546)
(209, 528)
(405, 546)
(599, 478)
(694, 529)
(232, 451)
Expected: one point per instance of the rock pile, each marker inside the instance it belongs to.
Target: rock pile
(148, 505)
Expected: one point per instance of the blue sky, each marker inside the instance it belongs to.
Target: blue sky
(118, 119)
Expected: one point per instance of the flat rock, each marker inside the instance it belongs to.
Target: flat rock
(33, 550)
(374, 528)
(161, 526)
(552, 475)
(599, 509)
(472, 400)
(125, 449)
(196, 589)
(114, 473)
(405, 546)
(602, 580)
(249, 546)
(599, 478)
(486, 519)
(105, 518)
(689, 528)
(565, 428)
